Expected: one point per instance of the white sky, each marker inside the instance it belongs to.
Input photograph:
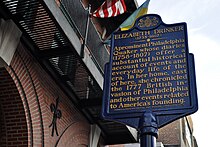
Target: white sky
(203, 21)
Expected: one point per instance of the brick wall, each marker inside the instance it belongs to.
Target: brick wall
(37, 92)
(13, 127)
(170, 134)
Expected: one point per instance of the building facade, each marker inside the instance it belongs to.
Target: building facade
(178, 134)
(51, 77)
(50, 83)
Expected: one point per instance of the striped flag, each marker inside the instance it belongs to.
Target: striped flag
(110, 8)
(129, 22)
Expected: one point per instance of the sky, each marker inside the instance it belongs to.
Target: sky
(202, 18)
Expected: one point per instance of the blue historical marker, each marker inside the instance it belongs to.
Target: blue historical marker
(150, 73)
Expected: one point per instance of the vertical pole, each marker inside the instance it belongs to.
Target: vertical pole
(86, 32)
(148, 130)
(148, 140)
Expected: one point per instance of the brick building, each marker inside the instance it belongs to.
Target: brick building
(178, 134)
(51, 88)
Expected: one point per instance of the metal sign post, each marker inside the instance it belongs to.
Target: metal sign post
(148, 130)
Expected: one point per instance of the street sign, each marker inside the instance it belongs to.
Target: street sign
(150, 70)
